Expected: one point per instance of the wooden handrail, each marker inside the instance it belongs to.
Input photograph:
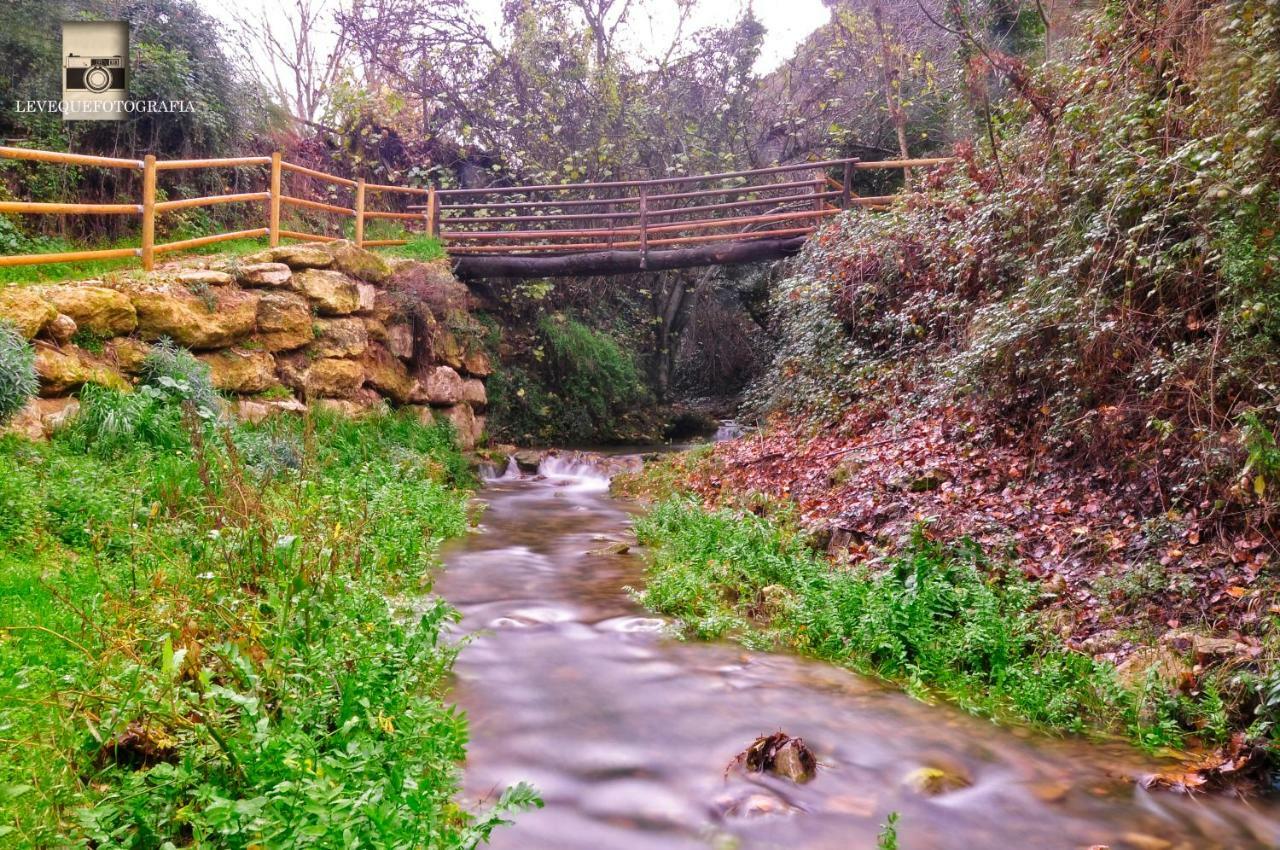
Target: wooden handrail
(657, 181)
(210, 200)
(707, 223)
(319, 175)
(309, 237)
(408, 190)
(606, 246)
(315, 205)
(225, 162)
(649, 219)
(38, 208)
(69, 158)
(209, 240)
(68, 256)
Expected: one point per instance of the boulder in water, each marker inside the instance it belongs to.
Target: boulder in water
(779, 754)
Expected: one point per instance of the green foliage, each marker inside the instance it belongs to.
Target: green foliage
(939, 620)
(179, 376)
(888, 837)
(18, 381)
(20, 507)
(203, 642)
(579, 388)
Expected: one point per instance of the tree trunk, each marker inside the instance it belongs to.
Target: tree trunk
(523, 266)
(891, 77)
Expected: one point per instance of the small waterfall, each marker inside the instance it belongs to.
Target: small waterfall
(489, 471)
(580, 473)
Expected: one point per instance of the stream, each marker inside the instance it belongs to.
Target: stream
(627, 733)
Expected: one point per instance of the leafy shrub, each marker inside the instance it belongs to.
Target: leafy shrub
(18, 381)
(177, 374)
(111, 422)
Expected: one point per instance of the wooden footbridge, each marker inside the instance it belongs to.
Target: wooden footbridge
(551, 230)
(555, 230)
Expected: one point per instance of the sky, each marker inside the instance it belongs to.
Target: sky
(787, 21)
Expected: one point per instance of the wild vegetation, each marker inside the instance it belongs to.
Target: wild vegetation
(223, 635)
(942, 620)
(580, 387)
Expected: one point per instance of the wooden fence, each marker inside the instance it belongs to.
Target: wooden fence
(149, 209)
(567, 218)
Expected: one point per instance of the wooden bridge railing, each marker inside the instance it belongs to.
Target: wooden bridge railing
(670, 212)
(785, 202)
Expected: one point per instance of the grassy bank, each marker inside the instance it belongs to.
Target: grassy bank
(197, 645)
(942, 621)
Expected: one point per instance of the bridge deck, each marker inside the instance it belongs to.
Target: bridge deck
(639, 225)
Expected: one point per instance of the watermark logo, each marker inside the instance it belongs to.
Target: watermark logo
(95, 70)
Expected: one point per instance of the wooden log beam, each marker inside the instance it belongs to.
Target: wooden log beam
(479, 267)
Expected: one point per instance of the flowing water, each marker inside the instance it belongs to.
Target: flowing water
(627, 733)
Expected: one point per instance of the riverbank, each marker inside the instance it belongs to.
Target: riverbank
(929, 554)
(197, 645)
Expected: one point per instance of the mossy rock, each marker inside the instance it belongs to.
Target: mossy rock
(62, 370)
(307, 255)
(26, 309)
(284, 321)
(193, 322)
(341, 337)
(359, 263)
(331, 293)
(238, 371)
(333, 377)
(96, 310)
(385, 373)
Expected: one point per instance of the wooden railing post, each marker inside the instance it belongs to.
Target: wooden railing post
(148, 212)
(273, 219)
(644, 226)
(360, 212)
(433, 212)
(846, 186)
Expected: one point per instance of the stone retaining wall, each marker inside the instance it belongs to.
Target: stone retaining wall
(327, 325)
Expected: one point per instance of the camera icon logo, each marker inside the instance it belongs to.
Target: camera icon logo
(95, 70)
(94, 73)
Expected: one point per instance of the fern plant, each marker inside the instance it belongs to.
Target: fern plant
(18, 381)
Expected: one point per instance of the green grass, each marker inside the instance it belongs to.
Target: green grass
(940, 621)
(49, 272)
(423, 248)
(220, 637)
(418, 248)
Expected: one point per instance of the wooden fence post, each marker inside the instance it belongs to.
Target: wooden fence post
(273, 221)
(360, 212)
(148, 212)
(433, 211)
(846, 186)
